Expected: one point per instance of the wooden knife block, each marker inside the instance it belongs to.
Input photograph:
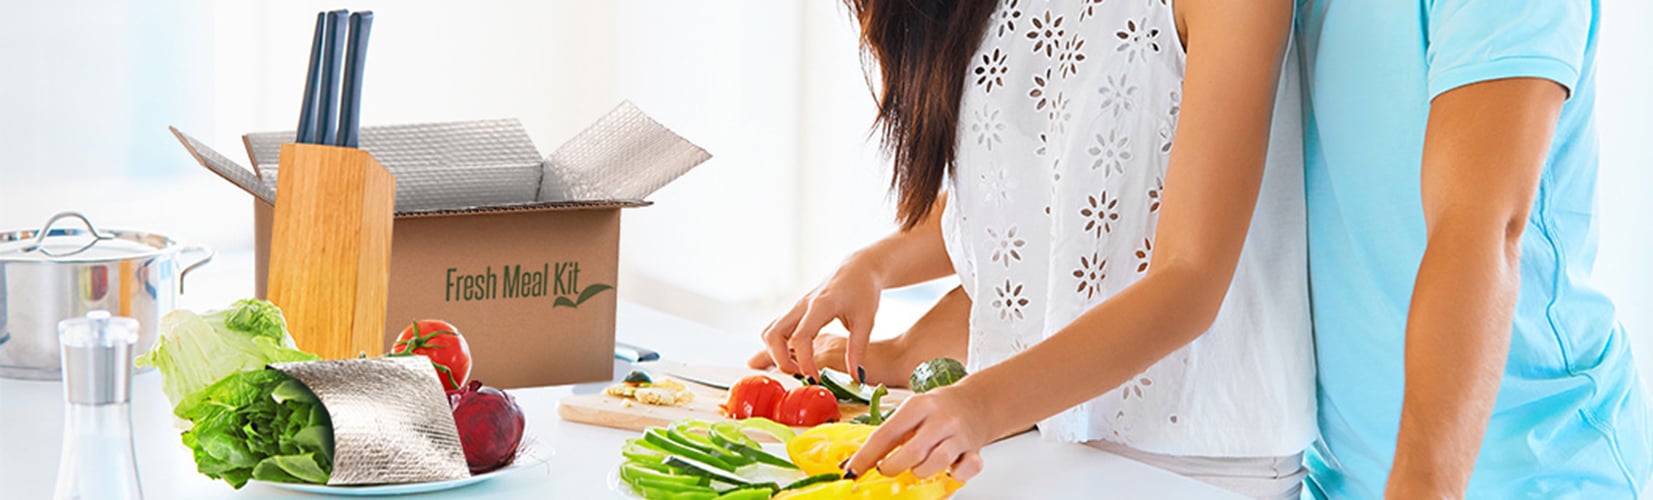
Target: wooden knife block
(330, 248)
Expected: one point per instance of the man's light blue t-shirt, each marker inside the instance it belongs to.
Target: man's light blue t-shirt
(1570, 420)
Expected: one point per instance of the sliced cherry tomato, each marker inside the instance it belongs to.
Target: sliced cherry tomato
(807, 406)
(441, 342)
(754, 396)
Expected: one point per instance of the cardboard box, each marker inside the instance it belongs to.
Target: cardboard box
(520, 252)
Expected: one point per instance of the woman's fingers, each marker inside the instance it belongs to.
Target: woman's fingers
(967, 466)
(941, 457)
(802, 341)
(855, 354)
(776, 336)
(761, 360)
(925, 441)
(890, 434)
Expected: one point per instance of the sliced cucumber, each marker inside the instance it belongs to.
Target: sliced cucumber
(845, 387)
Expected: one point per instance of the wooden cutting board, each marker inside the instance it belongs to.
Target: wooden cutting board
(621, 413)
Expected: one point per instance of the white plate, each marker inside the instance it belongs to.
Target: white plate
(530, 458)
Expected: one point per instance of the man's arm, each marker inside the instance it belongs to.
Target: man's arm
(1484, 152)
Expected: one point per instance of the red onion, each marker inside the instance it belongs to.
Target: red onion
(490, 425)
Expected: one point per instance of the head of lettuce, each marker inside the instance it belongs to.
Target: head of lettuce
(196, 350)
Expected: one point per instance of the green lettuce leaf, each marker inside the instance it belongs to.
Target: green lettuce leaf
(195, 351)
(259, 424)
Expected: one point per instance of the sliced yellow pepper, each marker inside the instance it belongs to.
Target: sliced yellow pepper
(822, 449)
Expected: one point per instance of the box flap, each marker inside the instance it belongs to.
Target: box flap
(438, 166)
(540, 206)
(625, 155)
(226, 168)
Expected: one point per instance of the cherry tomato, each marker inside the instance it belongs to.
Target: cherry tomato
(807, 406)
(441, 342)
(754, 396)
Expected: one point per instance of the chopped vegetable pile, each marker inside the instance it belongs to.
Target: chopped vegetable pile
(699, 460)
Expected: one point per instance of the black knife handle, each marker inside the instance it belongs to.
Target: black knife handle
(350, 105)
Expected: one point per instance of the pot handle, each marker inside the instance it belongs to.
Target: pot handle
(201, 250)
(46, 230)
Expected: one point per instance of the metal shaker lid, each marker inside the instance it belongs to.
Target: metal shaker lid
(96, 352)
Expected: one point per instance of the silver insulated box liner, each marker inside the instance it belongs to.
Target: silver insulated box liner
(392, 422)
(483, 164)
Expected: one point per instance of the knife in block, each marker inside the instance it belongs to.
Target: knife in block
(330, 248)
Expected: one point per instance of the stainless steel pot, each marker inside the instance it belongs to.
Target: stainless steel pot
(47, 275)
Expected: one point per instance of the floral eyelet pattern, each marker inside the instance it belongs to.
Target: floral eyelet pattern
(1090, 273)
(1046, 34)
(1009, 301)
(990, 71)
(1007, 246)
(1136, 39)
(1110, 152)
(1099, 214)
(1005, 19)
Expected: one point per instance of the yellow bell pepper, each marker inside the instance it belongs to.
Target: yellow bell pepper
(822, 449)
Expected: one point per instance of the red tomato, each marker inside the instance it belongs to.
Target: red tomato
(754, 396)
(441, 342)
(807, 406)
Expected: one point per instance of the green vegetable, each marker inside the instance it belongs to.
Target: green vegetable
(659, 438)
(939, 372)
(693, 433)
(195, 351)
(874, 415)
(752, 493)
(259, 424)
(701, 468)
(815, 479)
(844, 387)
(638, 377)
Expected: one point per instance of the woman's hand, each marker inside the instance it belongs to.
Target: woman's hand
(929, 434)
(850, 296)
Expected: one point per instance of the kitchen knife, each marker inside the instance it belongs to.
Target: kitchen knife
(361, 24)
(332, 56)
(633, 353)
(307, 132)
(717, 377)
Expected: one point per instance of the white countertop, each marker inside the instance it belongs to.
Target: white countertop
(580, 456)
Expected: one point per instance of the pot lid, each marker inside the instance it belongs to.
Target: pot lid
(76, 245)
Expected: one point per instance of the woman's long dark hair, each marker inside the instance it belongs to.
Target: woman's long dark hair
(922, 49)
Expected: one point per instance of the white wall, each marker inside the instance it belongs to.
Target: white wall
(1624, 114)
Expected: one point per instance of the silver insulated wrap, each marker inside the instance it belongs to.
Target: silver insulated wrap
(391, 419)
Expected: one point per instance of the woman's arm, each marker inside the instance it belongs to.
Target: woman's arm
(1235, 53)
(1483, 153)
(851, 294)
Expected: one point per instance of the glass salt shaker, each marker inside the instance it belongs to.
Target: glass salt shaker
(98, 458)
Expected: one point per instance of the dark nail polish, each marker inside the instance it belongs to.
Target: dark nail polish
(862, 372)
(848, 474)
(812, 381)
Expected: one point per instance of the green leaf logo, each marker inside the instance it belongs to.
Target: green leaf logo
(585, 295)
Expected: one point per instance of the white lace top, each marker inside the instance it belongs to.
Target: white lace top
(1064, 135)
